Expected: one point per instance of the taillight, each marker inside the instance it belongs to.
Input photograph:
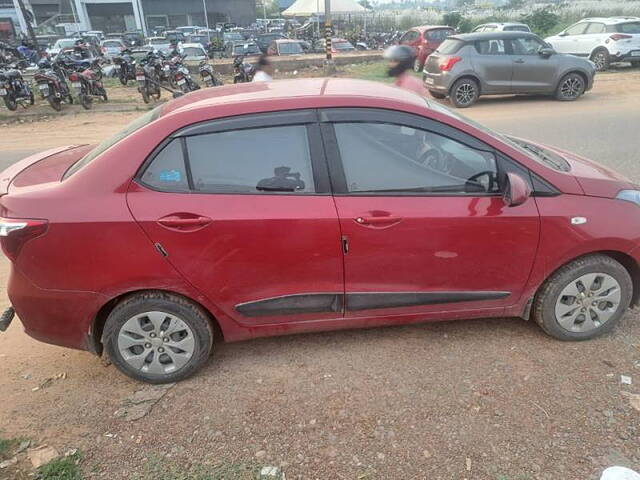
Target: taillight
(14, 233)
(447, 63)
(619, 36)
(74, 77)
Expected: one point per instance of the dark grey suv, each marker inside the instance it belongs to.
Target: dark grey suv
(467, 66)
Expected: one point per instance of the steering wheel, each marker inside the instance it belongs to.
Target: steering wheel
(436, 159)
(490, 176)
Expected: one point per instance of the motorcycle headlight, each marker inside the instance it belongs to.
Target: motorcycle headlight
(632, 196)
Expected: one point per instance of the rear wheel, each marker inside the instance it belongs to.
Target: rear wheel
(10, 102)
(145, 95)
(55, 103)
(86, 101)
(157, 337)
(103, 94)
(570, 87)
(123, 79)
(601, 58)
(32, 98)
(437, 95)
(464, 93)
(583, 299)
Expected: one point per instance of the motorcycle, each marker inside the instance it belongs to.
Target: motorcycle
(14, 90)
(125, 66)
(87, 85)
(179, 76)
(208, 75)
(51, 82)
(242, 72)
(148, 80)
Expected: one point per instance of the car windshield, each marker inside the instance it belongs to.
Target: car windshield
(539, 154)
(193, 52)
(290, 48)
(112, 44)
(65, 43)
(246, 49)
(137, 124)
(517, 28)
(629, 27)
(158, 41)
(450, 46)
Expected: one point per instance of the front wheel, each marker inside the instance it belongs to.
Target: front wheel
(464, 93)
(10, 102)
(145, 95)
(157, 337)
(55, 102)
(570, 87)
(85, 100)
(601, 58)
(123, 79)
(583, 299)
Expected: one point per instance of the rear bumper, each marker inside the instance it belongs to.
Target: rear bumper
(438, 82)
(58, 317)
(630, 56)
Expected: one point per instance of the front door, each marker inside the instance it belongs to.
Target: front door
(421, 214)
(531, 71)
(241, 208)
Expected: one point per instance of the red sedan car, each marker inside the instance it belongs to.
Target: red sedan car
(306, 205)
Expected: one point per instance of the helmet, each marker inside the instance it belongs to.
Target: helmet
(400, 53)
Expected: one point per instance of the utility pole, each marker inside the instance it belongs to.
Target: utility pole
(26, 15)
(330, 67)
(206, 20)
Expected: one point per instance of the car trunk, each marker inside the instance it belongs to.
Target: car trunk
(432, 64)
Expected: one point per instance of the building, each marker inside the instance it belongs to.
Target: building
(144, 15)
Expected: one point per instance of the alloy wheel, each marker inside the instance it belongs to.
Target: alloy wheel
(156, 343)
(465, 94)
(600, 59)
(588, 302)
(571, 87)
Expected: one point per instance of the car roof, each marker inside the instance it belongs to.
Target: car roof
(424, 28)
(507, 24)
(192, 45)
(318, 90)
(610, 20)
(472, 37)
(286, 40)
(111, 40)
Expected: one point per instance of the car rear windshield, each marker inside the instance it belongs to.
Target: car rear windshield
(137, 124)
(629, 27)
(539, 154)
(342, 45)
(112, 43)
(193, 52)
(450, 46)
(517, 28)
(290, 48)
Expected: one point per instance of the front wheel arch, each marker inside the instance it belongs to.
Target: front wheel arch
(95, 335)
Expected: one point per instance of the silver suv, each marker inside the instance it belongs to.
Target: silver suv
(467, 66)
(603, 40)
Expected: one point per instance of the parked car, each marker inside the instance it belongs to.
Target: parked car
(603, 40)
(189, 30)
(241, 49)
(285, 47)
(202, 39)
(231, 37)
(467, 66)
(502, 27)
(159, 44)
(264, 40)
(425, 40)
(338, 45)
(462, 223)
(174, 36)
(193, 52)
(61, 44)
(133, 39)
(112, 47)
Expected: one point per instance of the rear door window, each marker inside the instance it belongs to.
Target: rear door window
(490, 47)
(577, 29)
(595, 28)
(438, 35)
(167, 171)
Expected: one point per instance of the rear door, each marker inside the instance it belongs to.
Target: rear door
(493, 65)
(422, 217)
(592, 37)
(241, 208)
(531, 71)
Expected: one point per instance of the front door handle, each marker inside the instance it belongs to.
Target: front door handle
(184, 222)
(519, 60)
(377, 221)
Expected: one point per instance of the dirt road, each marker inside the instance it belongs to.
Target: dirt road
(484, 399)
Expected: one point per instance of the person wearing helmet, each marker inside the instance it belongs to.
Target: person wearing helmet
(401, 58)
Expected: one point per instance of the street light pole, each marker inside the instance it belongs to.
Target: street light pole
(25, 16)
(206, 20)
(327, 29)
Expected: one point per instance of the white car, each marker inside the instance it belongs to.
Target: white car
(502, 27)
(602, 40)
(60, 45)
(160, 44)
(194, 52)
(112, 47)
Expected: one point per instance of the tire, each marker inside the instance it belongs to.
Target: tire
(554, 298)
(464, 93)
(157, 94)
(55, 103)
(10, 103)
(104, 94)
(437, 95)
(145, 95)
(123, 79)
(70, 99)
(570, 88)
(601, 58)
(86, 101)
(32, 98)
(417, 65)
(135, 344)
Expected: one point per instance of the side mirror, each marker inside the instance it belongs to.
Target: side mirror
(546, 52)
(562, 34)
(516, 190)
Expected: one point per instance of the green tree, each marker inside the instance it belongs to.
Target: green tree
(452, 19)
(541, 21)
(366, 4)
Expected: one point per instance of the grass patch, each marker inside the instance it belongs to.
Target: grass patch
(161, 469)
(7, 446)
(65, 468)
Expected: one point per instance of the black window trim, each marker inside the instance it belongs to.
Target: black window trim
(307, 118)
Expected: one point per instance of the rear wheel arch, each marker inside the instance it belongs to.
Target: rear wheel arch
(470, 77)
(99, 321)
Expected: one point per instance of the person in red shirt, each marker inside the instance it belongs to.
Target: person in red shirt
(401, 58)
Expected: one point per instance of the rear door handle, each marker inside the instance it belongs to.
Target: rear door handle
(184, 222)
